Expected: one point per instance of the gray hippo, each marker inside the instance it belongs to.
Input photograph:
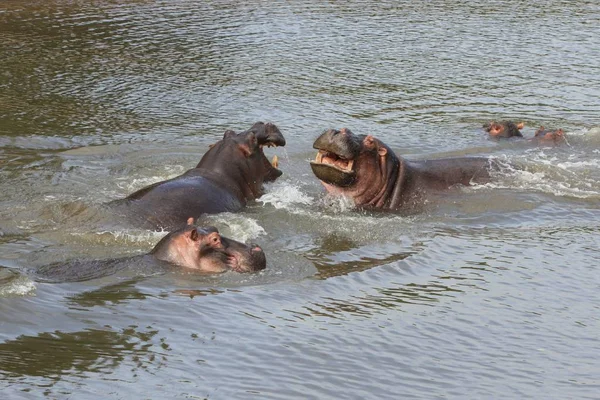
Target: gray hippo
(229, 175)
(190, 248)
(367, 170)
(508, 129)
(503, 129)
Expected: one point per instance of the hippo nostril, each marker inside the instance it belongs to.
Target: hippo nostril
(255, 248)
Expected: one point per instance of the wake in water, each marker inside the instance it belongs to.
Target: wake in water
(552, 171)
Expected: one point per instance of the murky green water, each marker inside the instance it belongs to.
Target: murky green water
(492, 292)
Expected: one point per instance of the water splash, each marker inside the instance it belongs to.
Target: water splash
(130, 185)
(284, 195)
(545, 173)
(235, 226)
(14, 284)
(338, 204)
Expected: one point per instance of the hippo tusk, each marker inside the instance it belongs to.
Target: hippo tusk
(350, 165)
(275, 162)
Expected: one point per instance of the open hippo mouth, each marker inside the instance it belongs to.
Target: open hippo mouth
(268, 135)
(335, 162)
(334, 169)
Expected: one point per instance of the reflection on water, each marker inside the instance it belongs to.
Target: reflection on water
(51, 355)
(108, 295)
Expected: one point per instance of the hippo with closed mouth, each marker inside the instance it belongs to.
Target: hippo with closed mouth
(367, 170)
(189, 248)
(504, 129)
(549, 137)
(229, 175)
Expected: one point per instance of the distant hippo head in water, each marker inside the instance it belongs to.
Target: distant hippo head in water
(503, 129)
(365, 169)
(549, 137)
(204, 249)
(241, 156)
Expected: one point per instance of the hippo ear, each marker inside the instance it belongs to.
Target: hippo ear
(560, 132)
(194, 235)
(190, 221)
(249, 145)
(229, 134)
(369, 142)
(539, 131)
(520, 125)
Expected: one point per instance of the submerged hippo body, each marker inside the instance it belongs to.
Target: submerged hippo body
(188, 248)
(229, 175)
(367, 170)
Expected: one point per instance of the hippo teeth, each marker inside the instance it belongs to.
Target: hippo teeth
(325, 157)
(350, 165)
(275, 162)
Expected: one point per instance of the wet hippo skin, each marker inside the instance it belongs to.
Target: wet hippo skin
(230, 174)
(367, 170)
(549, 137)
(503, 129)
(508, 129)
(191, 248)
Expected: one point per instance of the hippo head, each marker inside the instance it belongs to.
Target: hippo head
(204, 249)
(239, 159)
(503, 129)
(359, 166)
(549, 137)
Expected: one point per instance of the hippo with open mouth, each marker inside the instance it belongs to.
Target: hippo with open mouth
(367, 170)
(189, 248)
(229, 175)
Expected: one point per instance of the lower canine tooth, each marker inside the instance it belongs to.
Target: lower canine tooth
(350, 165)
(275, 161)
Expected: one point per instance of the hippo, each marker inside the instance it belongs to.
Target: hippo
(367, 170)
(189, 248)
(545, 136)
(503, 129)
(229, 175)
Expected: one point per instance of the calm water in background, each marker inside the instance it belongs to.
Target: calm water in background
(491, 292)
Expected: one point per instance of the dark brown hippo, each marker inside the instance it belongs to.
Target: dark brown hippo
(549, 137)
(190, 248)
(503, 129)
(367, 170)
(229, 175)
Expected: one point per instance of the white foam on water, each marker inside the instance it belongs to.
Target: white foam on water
(338, 203)
(284, 195)
(235, 226)
(556, 177)
(122, 236)
(131, 185)
(19, 286)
